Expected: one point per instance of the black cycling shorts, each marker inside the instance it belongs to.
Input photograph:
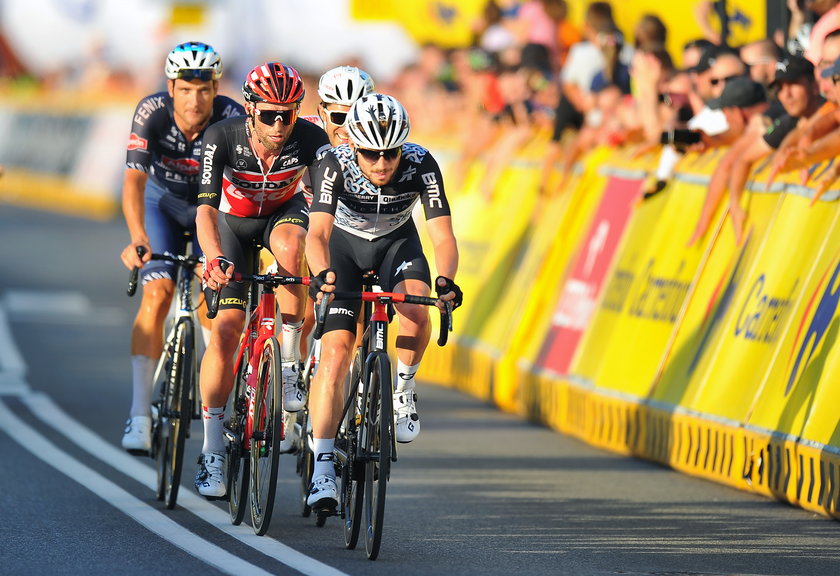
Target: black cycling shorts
(395, 258)
(242, 238)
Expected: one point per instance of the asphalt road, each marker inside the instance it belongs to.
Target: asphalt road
(479, 493)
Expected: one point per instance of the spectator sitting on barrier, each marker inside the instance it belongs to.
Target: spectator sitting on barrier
(746, 98)
(815, 139)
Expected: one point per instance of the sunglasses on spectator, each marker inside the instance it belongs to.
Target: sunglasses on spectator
(336, 118)
(716, 81)
(373, 156)
(835, 79)
(269, 117)
(203, 74)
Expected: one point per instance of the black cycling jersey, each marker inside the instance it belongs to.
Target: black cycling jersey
(368, 211)
(232, 179)
(158, 147)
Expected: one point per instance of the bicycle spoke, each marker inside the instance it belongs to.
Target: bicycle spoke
(378, 437)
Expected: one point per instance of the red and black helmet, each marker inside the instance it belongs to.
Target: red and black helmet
(274, 83)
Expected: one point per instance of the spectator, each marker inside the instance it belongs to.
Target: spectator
(585, 60)
(814, 139)
(799, 95)
(828, 19)
(760, 57)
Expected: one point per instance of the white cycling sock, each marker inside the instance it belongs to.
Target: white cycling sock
(142, 373)
(405, 376)
(213, 419)
(323, 450)
(290, 344)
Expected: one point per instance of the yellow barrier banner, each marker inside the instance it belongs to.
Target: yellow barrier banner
(761, 310)
(582, 288)
(646, 292)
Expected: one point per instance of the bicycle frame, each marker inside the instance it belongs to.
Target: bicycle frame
(262, 320)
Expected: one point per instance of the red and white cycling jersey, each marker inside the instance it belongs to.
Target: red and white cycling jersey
(232, 179)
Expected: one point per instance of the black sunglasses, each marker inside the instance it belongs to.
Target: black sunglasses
(269, 117)
(335, 117)
(373, 156)
(203, 74)
(716, 81)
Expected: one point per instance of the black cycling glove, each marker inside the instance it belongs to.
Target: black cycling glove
(317, 282)
(449, 286)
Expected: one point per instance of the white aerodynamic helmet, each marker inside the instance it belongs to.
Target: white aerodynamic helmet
(344, 85)
(378, 122)
(193, 60)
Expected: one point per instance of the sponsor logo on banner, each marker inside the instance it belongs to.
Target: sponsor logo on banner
(808, 342)
(580, 292)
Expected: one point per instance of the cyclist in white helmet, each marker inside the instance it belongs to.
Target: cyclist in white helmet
(160, 188)
(360, 220)
(338, 88)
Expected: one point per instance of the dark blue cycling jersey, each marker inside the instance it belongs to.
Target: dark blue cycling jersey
(156, 145)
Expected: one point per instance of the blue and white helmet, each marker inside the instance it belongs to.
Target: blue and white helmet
(193, 60)
(377, 122)
(344, 85)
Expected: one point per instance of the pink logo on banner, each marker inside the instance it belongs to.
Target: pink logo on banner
(583, 286)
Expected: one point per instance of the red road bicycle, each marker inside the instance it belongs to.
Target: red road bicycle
(255, 427)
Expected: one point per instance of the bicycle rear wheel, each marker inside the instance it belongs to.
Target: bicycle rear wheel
(265, 440)
(379, 421)
(176, 411)
(238, 472)
(352, 474)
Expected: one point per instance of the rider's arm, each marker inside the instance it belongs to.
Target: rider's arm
(444, 245)
(327, 181)
(134, 184)
(213, 162)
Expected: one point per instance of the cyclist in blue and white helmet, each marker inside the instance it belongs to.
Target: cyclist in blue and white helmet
(159, 195)
(193, 61)
(339, 88)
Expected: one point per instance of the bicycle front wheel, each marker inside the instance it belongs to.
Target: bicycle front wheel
(379, 423)
(238, 473)
(265, 440)
(176, 411)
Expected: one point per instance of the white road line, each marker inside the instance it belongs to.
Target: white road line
(12, 365)
(51, 414)
(60, 307)
(155, 521)
(12, 382)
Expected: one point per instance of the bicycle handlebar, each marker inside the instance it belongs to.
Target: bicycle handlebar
(272, 280)
(386, 297)
(141, 251)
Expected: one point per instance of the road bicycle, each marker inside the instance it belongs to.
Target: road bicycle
(255, 428)
(365, 443)
(176, 400)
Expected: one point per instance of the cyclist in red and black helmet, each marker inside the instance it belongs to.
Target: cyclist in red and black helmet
(250, 171)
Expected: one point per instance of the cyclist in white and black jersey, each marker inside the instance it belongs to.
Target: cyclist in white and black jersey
(251, 170)
(159, 193)
(360, 220)
(338, 88)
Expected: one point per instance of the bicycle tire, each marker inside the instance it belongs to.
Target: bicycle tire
(378, 438)
(177, 409)
(265, 439)
(238, 472)
(352, 475)
(305, 464)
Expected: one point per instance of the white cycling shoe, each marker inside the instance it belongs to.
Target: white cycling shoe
(137, 438)
(210, 478)
(323, 493)
(405, 416)
(294, 397)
